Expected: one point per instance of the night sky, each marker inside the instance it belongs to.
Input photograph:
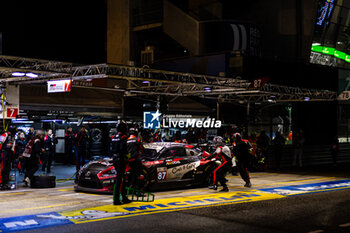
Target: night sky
(73, 31)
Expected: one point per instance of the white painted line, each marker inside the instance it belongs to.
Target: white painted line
(70, 194)
(345, 225)
(109, 200)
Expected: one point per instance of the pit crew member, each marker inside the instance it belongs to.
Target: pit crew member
(224, 153)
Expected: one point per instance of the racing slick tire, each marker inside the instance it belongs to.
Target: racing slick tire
(146, 179)
(43, 181)
(145, 183)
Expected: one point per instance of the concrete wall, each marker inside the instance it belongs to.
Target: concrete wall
(281, 24)
(118, 31)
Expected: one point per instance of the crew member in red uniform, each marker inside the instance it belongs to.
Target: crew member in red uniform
(224, 153)
(241, 152)
(135, 148)
(7, 146)
(120, 151)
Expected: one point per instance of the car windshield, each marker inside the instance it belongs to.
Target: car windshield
(149, 153)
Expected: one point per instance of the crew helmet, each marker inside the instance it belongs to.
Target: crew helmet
(133, 131)
(218, 140)
(12, 129)
(122, 127)
(237, 136)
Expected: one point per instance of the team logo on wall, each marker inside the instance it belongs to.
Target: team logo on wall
(151, 120)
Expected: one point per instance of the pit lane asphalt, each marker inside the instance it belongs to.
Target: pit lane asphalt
(246, 217)
(26, 201)
(319, 212)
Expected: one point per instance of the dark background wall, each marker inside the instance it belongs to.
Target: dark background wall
(58, 30)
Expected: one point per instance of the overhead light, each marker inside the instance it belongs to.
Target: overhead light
(145, 82)
(307, 98)
(207, 89)
(31, 75)
(18, 74)
(316, 44)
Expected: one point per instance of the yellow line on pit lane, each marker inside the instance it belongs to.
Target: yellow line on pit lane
(4, 194)
(68, 189)
(39, 207)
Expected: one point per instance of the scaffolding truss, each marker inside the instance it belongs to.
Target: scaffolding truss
(145, 81)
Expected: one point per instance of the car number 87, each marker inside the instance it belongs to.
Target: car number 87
(161, 175)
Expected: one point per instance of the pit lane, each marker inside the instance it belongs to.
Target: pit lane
(63, 203)
(23, 201)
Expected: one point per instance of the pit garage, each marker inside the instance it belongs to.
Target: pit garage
(100, 94)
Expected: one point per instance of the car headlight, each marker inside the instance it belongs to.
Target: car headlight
(107, 173)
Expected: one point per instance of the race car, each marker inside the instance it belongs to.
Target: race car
(165, 165)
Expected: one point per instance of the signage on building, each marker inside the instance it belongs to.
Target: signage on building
(98, 82)
(258, 83)
(59, 86)
(155, 120)
(345, 95)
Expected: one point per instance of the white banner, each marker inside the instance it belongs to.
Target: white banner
(59, 86)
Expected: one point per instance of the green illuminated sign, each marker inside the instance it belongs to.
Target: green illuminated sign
(331, 51)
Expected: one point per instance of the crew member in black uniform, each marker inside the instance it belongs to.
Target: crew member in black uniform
(30, 134)
(32, 162)
(69, 140)
(7, 141)
(81, 143)
(20, 145)
(49, 145)
(241, 152)
(119, 151)
(135, 148)
(224, 153)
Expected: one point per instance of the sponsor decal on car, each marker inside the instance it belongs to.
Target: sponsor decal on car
(173, 162)
(179, 171)
(161, 173)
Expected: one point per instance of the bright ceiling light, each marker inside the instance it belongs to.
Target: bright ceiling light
(207, 89)
(18, 74)
(31, 75)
